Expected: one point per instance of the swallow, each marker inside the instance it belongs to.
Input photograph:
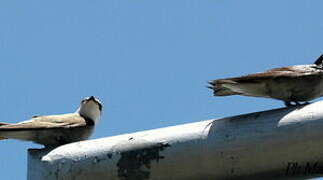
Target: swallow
(55, 130)
(292, 84)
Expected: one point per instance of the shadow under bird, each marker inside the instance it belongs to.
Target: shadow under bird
(292, 84)
(55, 130)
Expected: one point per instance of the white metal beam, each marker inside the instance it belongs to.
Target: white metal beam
(281, 143)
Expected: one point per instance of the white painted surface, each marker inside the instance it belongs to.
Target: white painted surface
(253, 145)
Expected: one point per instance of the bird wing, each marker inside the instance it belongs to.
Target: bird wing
(255, 84)
(52, 121)
(283, 72)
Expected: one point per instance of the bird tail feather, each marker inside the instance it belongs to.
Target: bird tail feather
(223, 87)
(3, 124)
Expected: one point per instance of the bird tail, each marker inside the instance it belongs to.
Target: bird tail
(3, 124)
(221, 87)
(319, 61)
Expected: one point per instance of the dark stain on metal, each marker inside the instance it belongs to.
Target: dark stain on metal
(256, 115)
(57, 172)
(232, 170)
(135, 165)
(96, 160)
(109, 155)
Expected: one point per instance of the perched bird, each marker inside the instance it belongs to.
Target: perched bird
(291, 84)
(55, 130)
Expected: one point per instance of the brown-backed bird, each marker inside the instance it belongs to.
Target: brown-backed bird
(292, 84)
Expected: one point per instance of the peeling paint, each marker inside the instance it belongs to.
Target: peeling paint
(135, 165)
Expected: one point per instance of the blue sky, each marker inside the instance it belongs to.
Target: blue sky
(147, 61)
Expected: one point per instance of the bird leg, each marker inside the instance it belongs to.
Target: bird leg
(47, 146)
(306, 103)
(288, 103)
(296, 103)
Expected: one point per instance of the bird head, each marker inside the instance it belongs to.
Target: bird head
(90, 107)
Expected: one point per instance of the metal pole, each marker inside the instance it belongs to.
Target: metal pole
(283, 143)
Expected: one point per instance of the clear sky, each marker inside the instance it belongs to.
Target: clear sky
(147, 61)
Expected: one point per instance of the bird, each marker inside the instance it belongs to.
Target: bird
(56, 130)
(291, 84)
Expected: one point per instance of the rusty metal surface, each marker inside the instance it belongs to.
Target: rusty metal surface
(283, 143)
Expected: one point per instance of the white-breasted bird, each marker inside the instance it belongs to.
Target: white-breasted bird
(289, 84)
(55, 130)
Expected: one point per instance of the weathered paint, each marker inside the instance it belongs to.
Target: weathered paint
(264, 144)
(132, 163)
